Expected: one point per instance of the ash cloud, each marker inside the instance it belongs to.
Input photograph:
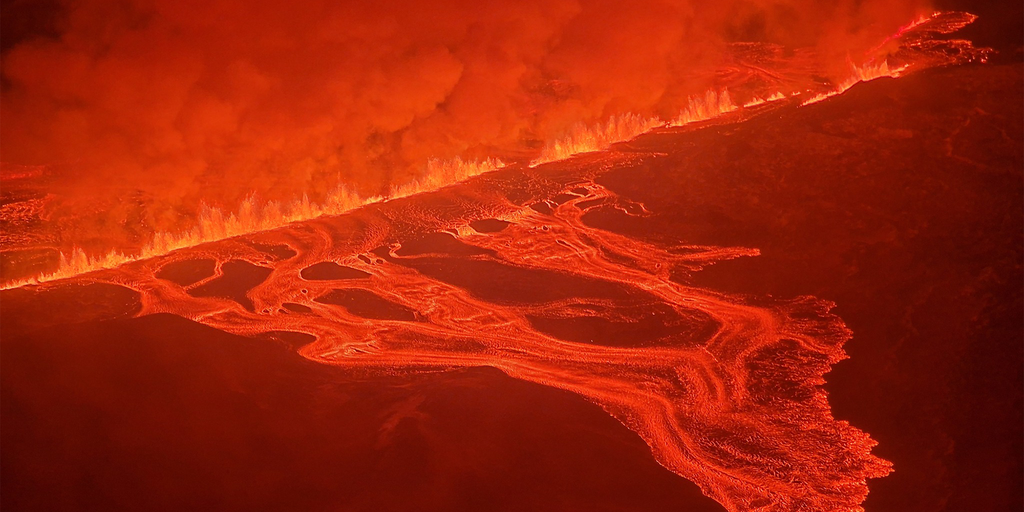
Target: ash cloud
(177, 103)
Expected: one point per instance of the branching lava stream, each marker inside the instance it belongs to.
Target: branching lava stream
(503, 271)
(532, 268)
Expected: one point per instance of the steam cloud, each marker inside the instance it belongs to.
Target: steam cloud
(176, 103)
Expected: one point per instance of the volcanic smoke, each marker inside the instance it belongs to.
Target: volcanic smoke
(397, 189)
(151, 119)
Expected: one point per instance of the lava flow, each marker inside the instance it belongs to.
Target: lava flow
(504, 272)
(508, 269)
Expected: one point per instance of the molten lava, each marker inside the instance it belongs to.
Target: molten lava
(502, 271)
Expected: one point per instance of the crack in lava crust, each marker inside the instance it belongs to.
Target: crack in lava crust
(725, 390)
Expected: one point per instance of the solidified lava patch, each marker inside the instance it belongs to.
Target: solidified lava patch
(275, 251)
(643, 324)
(237, 277)
(330, 271)
(296, 308)
(725, 390)
(74, 303)
(367, 304)
(187, 272)
(488, 225)
(290, 339)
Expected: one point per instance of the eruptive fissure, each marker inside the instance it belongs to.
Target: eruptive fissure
(505, 271)
(912, 47)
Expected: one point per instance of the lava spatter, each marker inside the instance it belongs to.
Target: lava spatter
(725, 390)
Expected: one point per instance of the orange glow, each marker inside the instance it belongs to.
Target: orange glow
(726, 390)
(253, 215)
(941, 22)
(146, 111)
(760, 101)
(710, 106)
(696, 393)
(858, 74)
(585, 139)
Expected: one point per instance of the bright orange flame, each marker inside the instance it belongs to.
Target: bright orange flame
(254, 216)
(584, 139)
(760, 101)
(906, 28)
(711, 105)
(859, 74)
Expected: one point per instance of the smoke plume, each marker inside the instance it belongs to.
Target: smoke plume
(149, 108)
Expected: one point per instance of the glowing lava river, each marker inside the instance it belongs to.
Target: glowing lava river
(538, 272)
(503, 271)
